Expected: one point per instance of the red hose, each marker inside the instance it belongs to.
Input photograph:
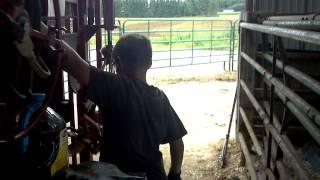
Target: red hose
(43, 109)
(57, 71)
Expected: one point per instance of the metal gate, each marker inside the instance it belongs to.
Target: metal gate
(278, 104)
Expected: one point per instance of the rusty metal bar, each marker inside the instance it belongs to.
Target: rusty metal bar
(287, 150)
(299, 35)
(306, 25)
(81, 49)
(249, 161)
(303, 78)
(278, 127)
(282, 170)
(307, 108)
(249, 5)
(285, 94)
(284, 120)
(270, 174)
(255, 141)
(252, 134)
(90, 12)
(285, 138)
(272, 89)
(276, 123)
(294, 17)
(283, 145)
(98, 33)
(305, 121)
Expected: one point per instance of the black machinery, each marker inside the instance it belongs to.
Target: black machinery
(36, 116)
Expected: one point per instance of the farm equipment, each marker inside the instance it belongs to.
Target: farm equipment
(226, 141)
(39, 114)
(278, 103)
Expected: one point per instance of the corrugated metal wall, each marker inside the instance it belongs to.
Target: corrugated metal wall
(287, 6)
(263, 93)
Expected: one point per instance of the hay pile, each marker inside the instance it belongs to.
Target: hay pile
(202, 162)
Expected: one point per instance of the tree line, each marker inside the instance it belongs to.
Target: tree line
(173, 8)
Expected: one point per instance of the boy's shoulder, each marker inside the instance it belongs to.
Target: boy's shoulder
(159, 92)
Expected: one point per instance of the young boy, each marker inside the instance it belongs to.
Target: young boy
(137, 117)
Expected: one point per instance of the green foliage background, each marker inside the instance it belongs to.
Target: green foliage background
(173, 8)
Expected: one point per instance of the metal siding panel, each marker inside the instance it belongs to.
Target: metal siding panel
(260, 5)
(290, 7)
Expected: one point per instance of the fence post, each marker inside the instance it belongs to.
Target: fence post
(230, 44)
(192, 36)
(148, 28)
(232, 48)
(234, 39)
(124, 27)
(120, 28)
(233, 43)
(221, 36)
(211, 38)
(170, 45)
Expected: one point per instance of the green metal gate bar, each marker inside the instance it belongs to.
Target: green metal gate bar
(184, 41)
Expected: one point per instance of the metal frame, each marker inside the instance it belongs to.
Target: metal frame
(193, 31)
(276, 143)
(228, 64)
(87, 18)
(149, 31)
(294, 34)
(310, 25)
(235, 44)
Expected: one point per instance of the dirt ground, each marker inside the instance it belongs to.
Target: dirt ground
(203, 101)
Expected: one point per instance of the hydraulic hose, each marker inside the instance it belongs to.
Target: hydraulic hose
(51, 92)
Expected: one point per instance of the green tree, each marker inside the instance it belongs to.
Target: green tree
(165, 8)
(238, 6)
(202, 7)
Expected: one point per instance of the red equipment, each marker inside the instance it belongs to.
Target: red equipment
(46, 61)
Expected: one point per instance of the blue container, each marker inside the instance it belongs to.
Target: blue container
(35, 104)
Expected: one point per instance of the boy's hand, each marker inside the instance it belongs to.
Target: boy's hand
(174, 175)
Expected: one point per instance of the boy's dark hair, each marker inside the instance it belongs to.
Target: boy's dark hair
(7, 5)
(134, 50)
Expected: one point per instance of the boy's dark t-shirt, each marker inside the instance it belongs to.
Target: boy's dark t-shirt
(137, 118)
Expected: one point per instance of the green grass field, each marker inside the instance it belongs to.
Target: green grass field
(180, 33)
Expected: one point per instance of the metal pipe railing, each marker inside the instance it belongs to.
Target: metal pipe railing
(276, 121)
(252, 134)
(270, 174)
(303, 78)
(196, 36)
(176, 31)
(294, 17)
(289, 97)
(307, 25)
(249, 161)
(282, 170)
(299, 35)
(256, 143)
(284, 136)
(222, 32)
(275, 134)
(235, 37)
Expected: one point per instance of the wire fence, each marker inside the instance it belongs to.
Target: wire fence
(182, 41)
